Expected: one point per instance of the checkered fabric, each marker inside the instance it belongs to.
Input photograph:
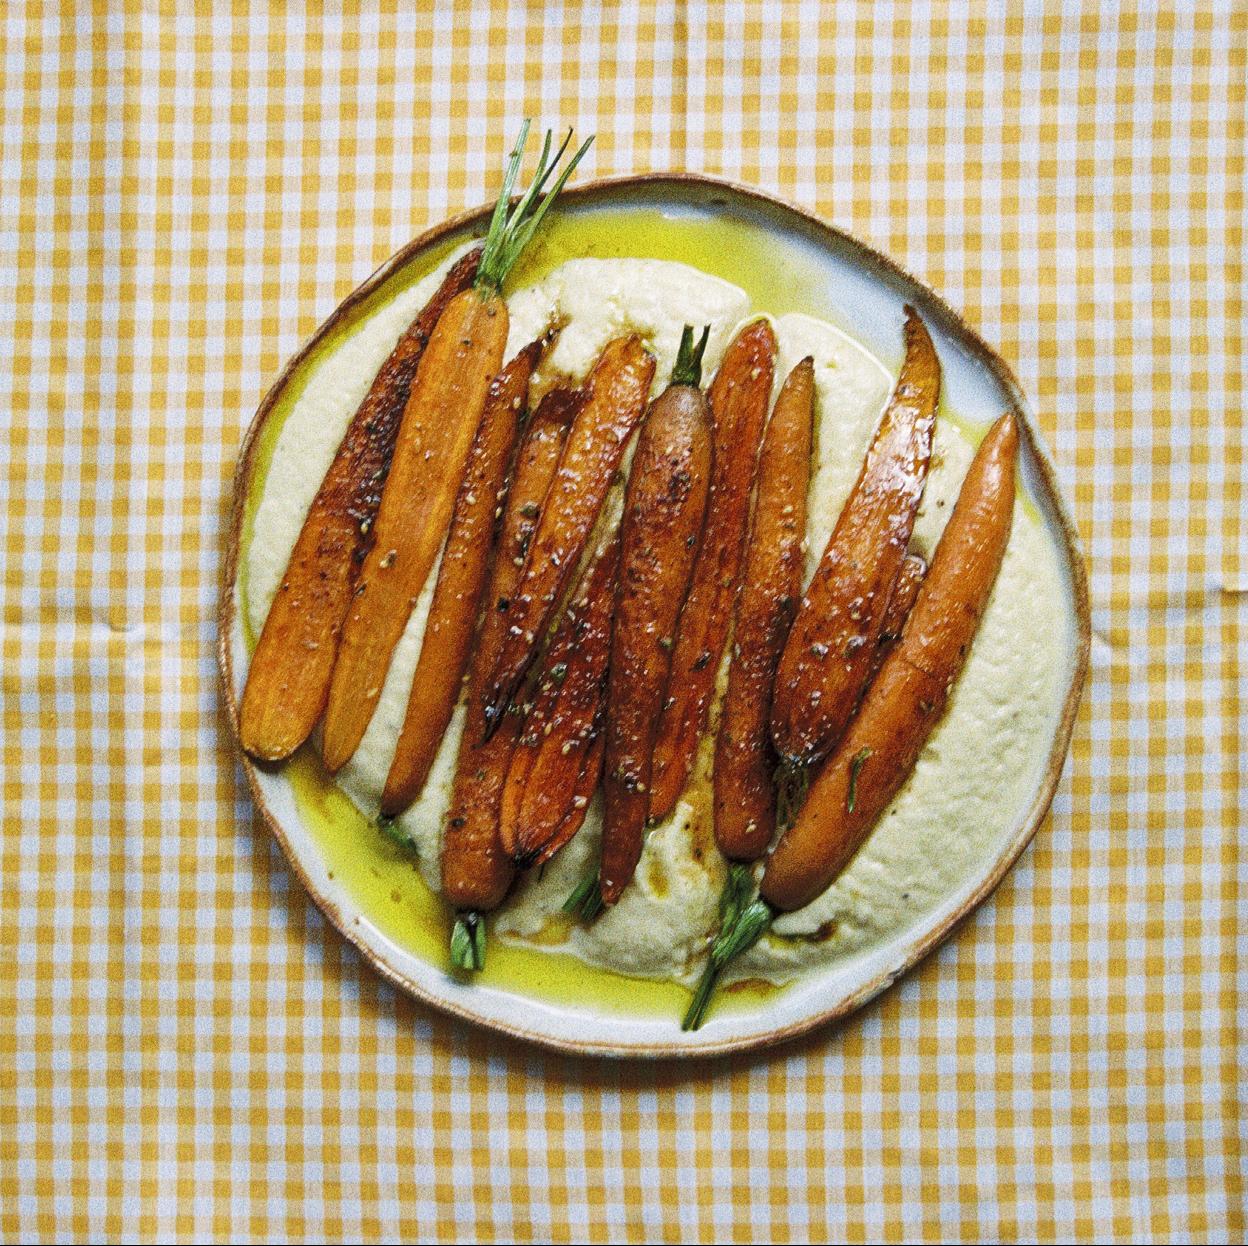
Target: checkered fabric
(186, 1048)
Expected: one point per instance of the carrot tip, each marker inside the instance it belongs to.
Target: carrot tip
(524, 858)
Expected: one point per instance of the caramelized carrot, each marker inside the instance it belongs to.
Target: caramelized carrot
(911, 692)
(586, 784)
(664, 510)
(905, 592)
(448, 397)
(896, 718)
(615, 401)
(443, 412)
(476, 872)
(288, 682)
(559, 749)
(461, 578)
(541, 449)
(833, 640)
(739, 397)
(745, 798)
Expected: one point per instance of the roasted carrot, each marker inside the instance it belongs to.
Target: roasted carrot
(586, 784)
(476, 872)
(745, 797)
(911, 692)
(897, 715)
(288, 682)
(559, 750)
(461, 578)
(664, 510)
(448, 397)
(541, 448)
(830, 648)
(739, 398)
(615, 401)
(443, 411)
(906, 590)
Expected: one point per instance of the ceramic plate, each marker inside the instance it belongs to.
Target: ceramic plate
(791, 262)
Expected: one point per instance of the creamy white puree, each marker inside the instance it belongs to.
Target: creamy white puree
(978, 767)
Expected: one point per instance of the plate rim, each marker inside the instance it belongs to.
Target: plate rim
(1047, 486)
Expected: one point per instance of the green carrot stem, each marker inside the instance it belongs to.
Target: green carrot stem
(512, 228)
(585, 900)
(468, 941)
(545, 177)
(702, 997)
(856, 763)
(742, 923)
(688, 367)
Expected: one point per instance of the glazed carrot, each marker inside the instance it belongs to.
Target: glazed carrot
(739, 398)
(896, 718)
(448, 397)
(431, 452)
(905, 592)
(559, 751)
(830, 647)
(461, 578)
(476, 873)
(664, 510)
(911, 692)
(615, 401)
(586, 784)
(288, 682)
(541, 448)
(745, 797)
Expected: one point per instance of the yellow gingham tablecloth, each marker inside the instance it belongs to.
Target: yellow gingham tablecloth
(186, 1048)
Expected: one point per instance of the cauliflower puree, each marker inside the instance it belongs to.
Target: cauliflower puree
(976, 768)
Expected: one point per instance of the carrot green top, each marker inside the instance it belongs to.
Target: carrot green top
(512, 228)
(688, 367)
